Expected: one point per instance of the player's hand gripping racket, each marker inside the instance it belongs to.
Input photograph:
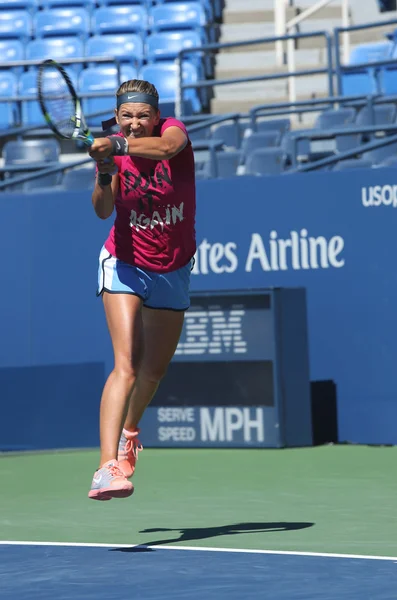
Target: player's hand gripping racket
(60, 104)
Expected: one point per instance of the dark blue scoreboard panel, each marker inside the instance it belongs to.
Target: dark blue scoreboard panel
(240, 375)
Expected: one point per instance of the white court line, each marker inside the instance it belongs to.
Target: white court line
(198, 549)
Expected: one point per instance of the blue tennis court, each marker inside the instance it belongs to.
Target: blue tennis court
(65, 572)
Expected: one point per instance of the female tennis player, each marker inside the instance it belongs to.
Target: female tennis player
(144, 267)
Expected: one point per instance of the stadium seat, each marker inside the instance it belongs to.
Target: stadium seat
(11, 50)
(100, 79)
(165, 77)
(18, 152)
(334, 119)
(388, 81)
(281, 125)
(227, 163)
(353, 163)
(301, 147)
(382, 114)
(126, 47)
(62, 21)
(15, 24)
(27, 86)
(28, 5)
(265, 161)
(57, 48)
(88, 4)
(124, 2)
(230, 133)
(374, 52)
(348, 142)
(211, 7)
(180, 15)
(267, 139)
(8, 110)
(360, 82)
(166, 45)
(82, 178)
(379, 155)
(120, 19)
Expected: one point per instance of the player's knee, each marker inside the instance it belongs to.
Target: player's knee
(128, 367)
(152, 373)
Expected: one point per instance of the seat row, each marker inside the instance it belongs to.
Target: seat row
(100, 80)
(77, 21)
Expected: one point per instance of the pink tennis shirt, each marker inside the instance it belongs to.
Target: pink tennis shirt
(154, 226)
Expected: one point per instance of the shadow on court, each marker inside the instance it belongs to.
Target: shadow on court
(201, 533)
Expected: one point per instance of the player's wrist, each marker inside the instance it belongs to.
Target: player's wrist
(104, 179)
(119, 145)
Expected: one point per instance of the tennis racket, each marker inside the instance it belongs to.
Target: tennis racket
(60, 104)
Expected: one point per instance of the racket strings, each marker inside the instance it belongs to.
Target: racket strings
(59, 102)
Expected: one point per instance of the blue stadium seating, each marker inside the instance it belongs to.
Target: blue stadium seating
(368, 53)
(230, 133)
(99, 79)
(27, 86)
(180, 15)
(359, 82)
(11, 50)
(167, 44)
(388, 81)
(165, 77)
(281, 125)
(331, 119)
(120, 19)
(57, 48)
(8, 110)
(302, 146)
(62, 21)
(353, 163)
(124, 2)
(228, 162)
(382, 114)
(211, 8)
(126, 47)
(381, 154)
(18, 152)
(267, 139)
(15, 24)
(29, 5)
(265, 161)
(89, 4)
(79, 179)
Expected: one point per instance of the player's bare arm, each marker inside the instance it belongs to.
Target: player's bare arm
(105, 190)
(165, 147)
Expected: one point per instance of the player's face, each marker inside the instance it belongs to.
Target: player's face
(137, 120)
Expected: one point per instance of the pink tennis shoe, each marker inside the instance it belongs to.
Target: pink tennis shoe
(110, 482)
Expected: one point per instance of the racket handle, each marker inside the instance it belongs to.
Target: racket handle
(89, 141)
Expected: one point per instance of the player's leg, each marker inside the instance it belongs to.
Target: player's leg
(163, 315)
(161, 332)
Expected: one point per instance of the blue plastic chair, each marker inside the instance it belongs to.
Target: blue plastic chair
(120, 19)
(360, 82)
(180, 15)
(382, 114)
(379, 155)
(267, 139)
(118, 2)
(281, 125)
(367, 53)
(11, 50)
(8, 87)
(88, 4)
(265, 161)
(27, 86)
(211, 7)
(57, 48)
(352, 163)
(18, 152)
(82, 178)
(28, 5)
(230, 133)
(165, 77)
(62, 21)
(15, 24)
(100, 79)
(126, 47)
(228, 162)
(331, 119)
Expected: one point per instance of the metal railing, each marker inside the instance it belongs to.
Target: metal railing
(342, 67)
(284, 27)
(211, 48)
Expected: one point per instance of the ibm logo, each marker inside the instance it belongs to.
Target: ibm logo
(213, 331)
